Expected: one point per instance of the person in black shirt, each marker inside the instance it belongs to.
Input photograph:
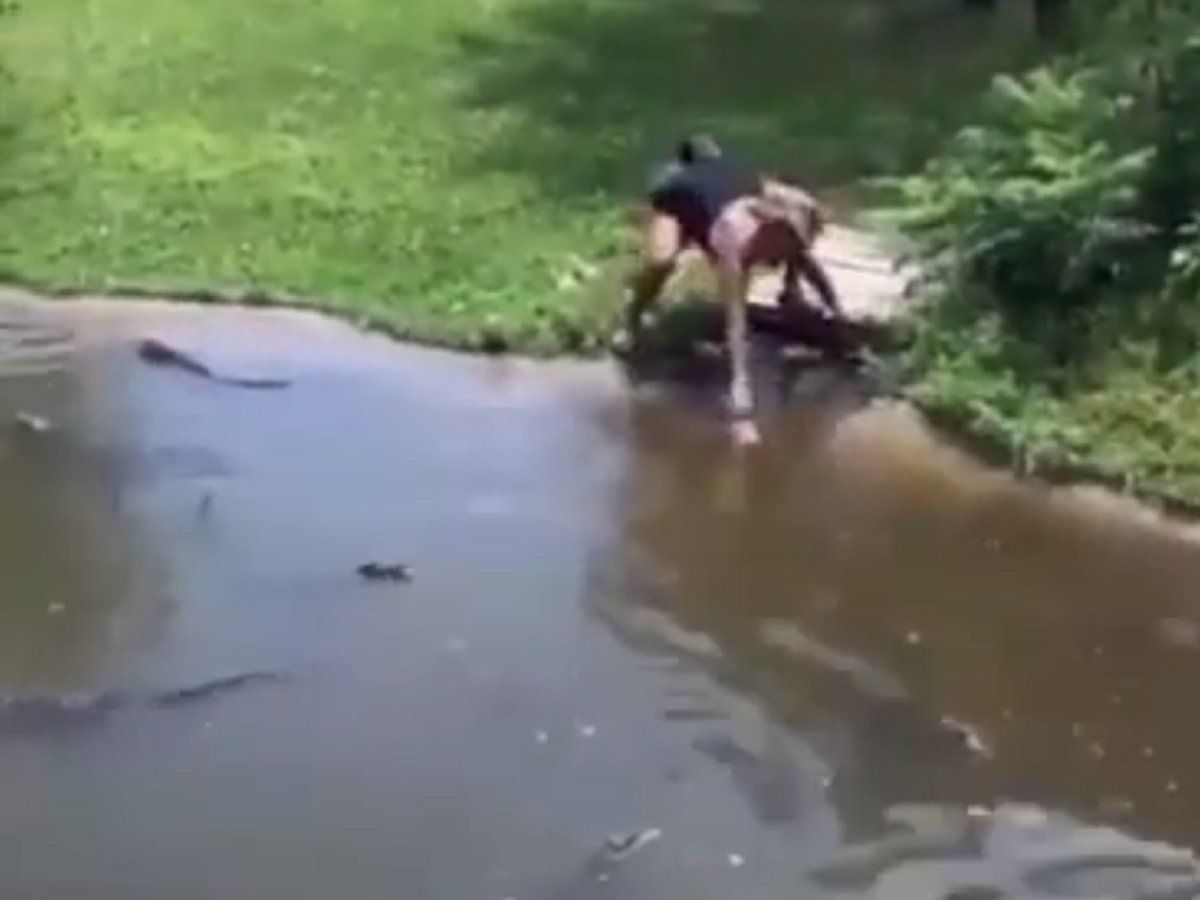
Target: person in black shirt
(740, 220)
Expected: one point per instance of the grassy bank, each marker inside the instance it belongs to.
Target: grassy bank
(456, 169)
(1061, 237)
(1122, 418)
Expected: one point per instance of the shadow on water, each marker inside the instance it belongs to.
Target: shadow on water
(828, 89)
(77, 584)
(681, 356)
(936, 634)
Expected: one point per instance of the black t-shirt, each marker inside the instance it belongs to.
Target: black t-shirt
(695, 194)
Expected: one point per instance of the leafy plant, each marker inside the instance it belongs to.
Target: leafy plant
(1039, 203)
(1184, 279)
(1173, 185)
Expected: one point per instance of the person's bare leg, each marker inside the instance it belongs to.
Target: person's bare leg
(790, 296)
(732, 236)
(732, 280)
(663, 243)
(806, 264)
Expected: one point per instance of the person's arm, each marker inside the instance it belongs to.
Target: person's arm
(803, 263)
(732, 282)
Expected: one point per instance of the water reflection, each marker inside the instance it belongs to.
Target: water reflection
(853, 663)
(77, 584)
(936, 633)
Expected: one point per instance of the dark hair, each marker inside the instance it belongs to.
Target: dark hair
(697, 147)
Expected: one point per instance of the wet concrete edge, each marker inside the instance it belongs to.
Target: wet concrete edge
(955, 426)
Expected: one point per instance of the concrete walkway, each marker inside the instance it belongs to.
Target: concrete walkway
(871, 285)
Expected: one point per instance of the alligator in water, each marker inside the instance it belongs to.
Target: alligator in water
(156, 352)
(206, 690)
(374, 571)
(31, 715)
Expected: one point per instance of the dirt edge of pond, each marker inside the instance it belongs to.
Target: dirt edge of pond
(959, 427)
(12, 288)
(863, 269)
(885, 306)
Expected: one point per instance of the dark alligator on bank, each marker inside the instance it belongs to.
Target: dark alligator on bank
(158, 353)
(50, 714)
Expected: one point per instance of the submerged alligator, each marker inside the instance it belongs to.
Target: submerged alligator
(374, 571)
(158, 353)
(27, 715)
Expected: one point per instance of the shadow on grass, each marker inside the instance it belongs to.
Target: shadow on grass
(828, 90)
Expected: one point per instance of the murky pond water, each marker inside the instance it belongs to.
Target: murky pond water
(853, 664)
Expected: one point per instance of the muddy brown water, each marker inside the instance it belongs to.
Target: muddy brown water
(855, 663)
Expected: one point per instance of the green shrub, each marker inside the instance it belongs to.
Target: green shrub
(1184, 279)
(1039, 203)
(1173, 184)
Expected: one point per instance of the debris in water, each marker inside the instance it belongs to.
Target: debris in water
(542, 737)
(374, 571)
(1172, 786)
(1097, 750)
(56, 608)
(33, 423)
(913, 638)
(737, 860)
(970, 737)
(978, 812)
(622, 846)
(1148, 752)
(1179, 632)
(586, 731)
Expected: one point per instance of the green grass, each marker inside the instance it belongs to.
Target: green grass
(449, 168)
(1119, 413)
